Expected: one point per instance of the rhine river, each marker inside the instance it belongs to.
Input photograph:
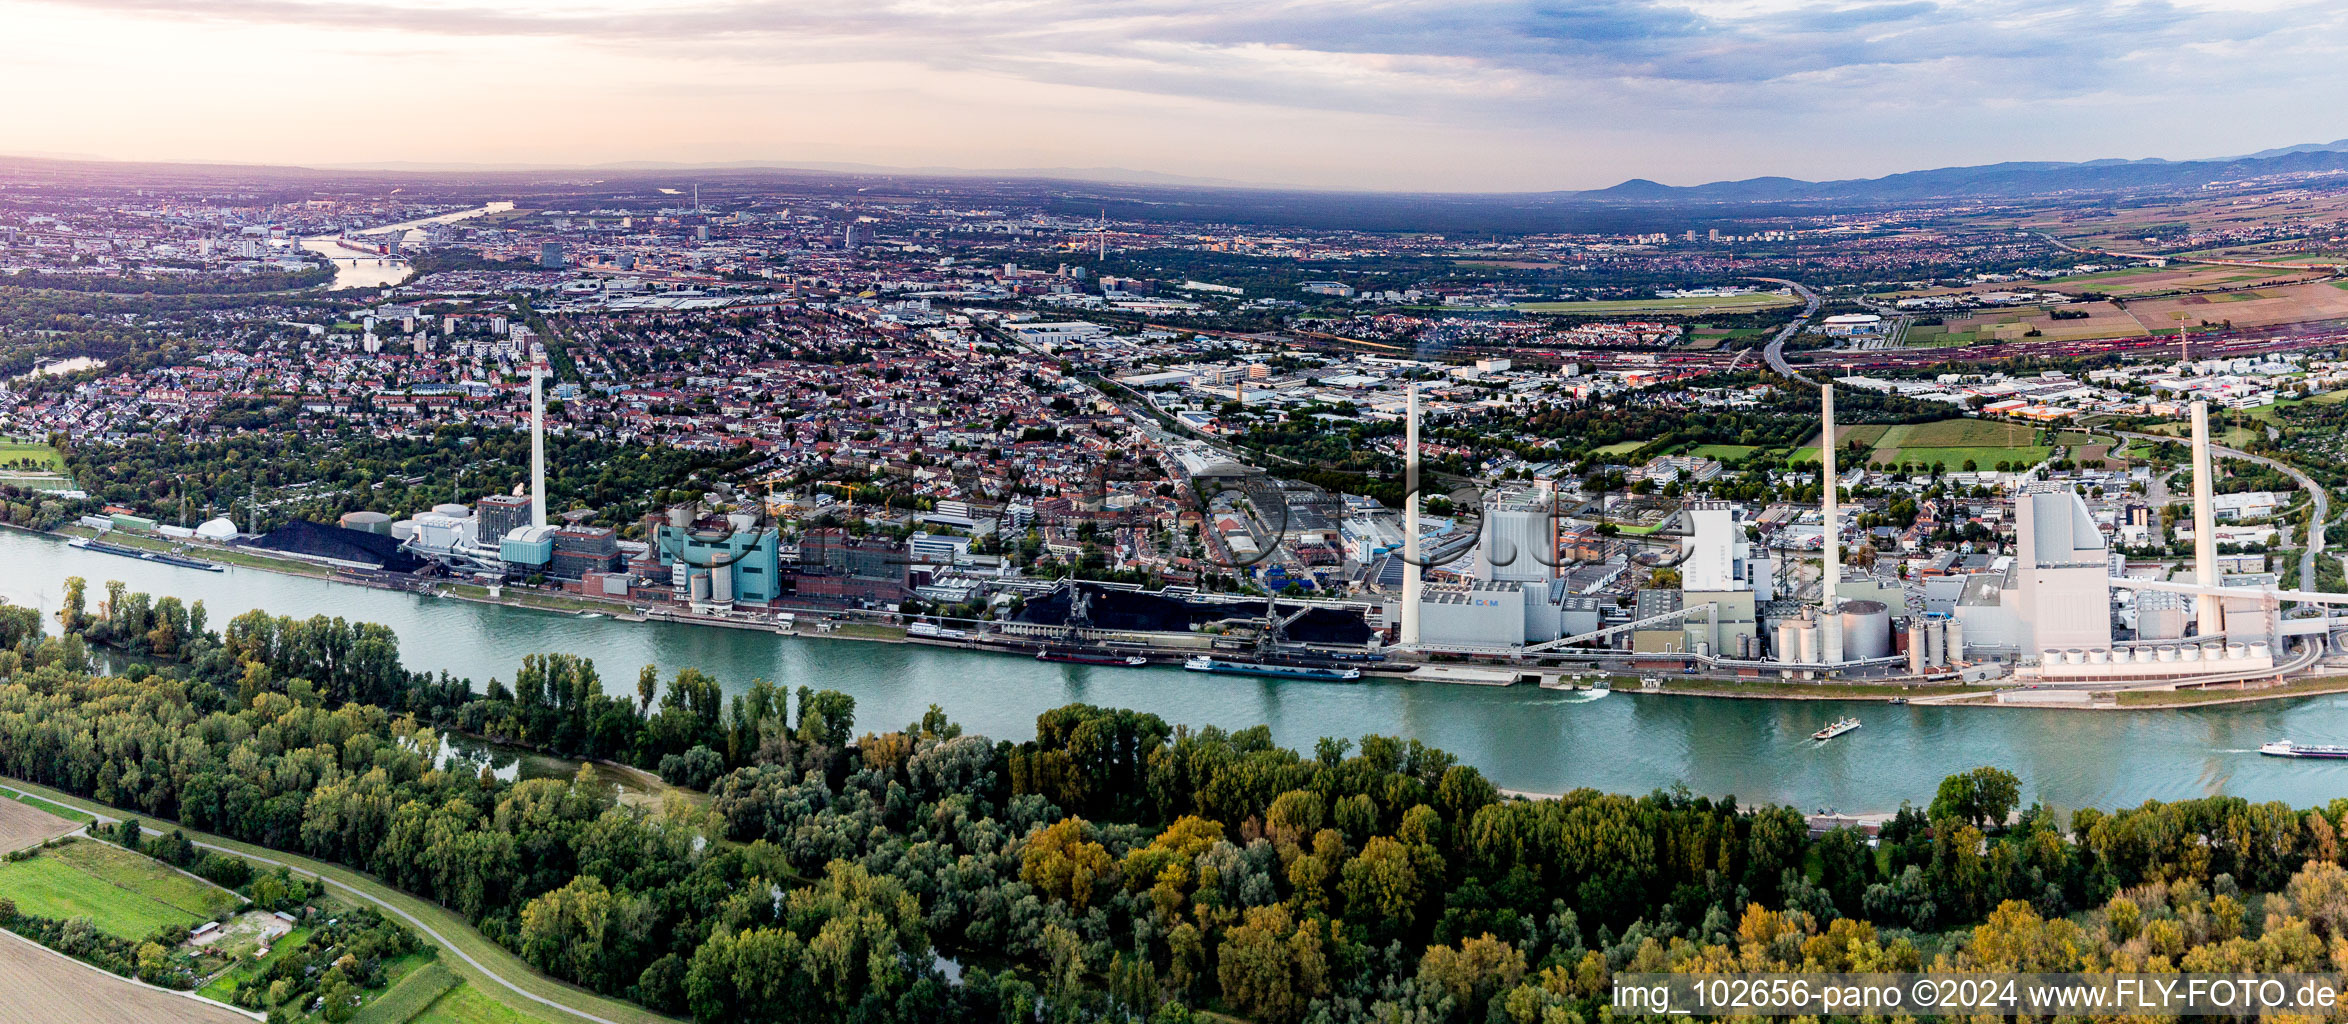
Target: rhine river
(1521, 737)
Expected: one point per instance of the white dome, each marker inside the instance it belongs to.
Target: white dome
(222, 528)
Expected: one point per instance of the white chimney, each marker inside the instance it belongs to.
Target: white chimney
(1832, 511)
(538, 441)
(1410, 522)
(2208, 608)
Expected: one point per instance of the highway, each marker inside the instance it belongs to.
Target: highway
(1775, 351)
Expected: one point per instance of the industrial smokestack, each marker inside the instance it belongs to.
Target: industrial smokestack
(537, 441)
(1833, 505)
(2205, 541)
(1830, 634)
(1410, 521)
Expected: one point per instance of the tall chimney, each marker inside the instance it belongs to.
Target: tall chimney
(1833, 505)
(1410, 522)
(537, 441)
(2208, 609)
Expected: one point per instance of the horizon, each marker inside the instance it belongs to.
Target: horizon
(1496, 97)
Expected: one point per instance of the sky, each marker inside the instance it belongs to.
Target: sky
(1450, 95)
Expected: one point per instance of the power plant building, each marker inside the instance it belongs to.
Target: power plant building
(2056, 592)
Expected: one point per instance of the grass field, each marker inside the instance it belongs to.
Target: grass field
(146, 876)
(1618, 448)
(1949, 442)
(1715, 304)
(16, 454)
(50, 886)
(466, 1005)
(409, 996)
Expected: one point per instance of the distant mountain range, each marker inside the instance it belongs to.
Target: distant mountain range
(1987, 181)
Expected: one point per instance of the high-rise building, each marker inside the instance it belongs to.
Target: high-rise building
(550, 255)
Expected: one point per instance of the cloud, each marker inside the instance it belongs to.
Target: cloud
(1701, 72)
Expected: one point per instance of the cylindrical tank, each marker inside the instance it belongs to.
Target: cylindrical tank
(1956, 642)
(1703, 648)
(701, 586)
(2259, 650)
(721, 584)
(2165, 653)
(2189, 652)
(454, 510)
(367, 522)
(2074, 656)
(1789, 640)
(2099, 656)
(2143, 656)
(1916, 664)
(1866, 629)
(2237, 651)
(403, 530)
(1806, 643)
(1935, 647)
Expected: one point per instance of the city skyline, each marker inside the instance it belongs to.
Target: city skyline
(1485, 97)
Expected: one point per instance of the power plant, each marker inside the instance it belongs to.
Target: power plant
(2044, 614)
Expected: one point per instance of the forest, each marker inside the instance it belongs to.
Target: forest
(1114, 867)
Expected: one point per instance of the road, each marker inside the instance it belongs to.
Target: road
(327, 873)
(2322, 500)
(1775, 351)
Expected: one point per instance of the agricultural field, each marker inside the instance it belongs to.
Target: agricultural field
(408, 995)
(23, 825)
(46, 986)
(122, 893)
(465, 1004)
(1950, 443)
(1709, 304)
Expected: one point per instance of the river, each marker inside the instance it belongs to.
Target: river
(354, 268)
(1521, 737)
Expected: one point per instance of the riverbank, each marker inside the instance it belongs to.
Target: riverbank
(815, 624)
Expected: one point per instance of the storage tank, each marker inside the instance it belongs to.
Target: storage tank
(2099, 656)
(404, 530)
(2237, 651)
(1956, 642)
(700, 588)
(2165, 653)
(1866, 629)
(2189, 652)
(367, 522)
(1916, 664)
(1806, 640)
(1935, 647)
(1789, 640)
(1703, 648)
(721, 584)
(453, 510)
(2260, 650)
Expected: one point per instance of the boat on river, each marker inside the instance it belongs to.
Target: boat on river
(1202, 663)
(1836, 729)
(2286, 748)
(1091, 658)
